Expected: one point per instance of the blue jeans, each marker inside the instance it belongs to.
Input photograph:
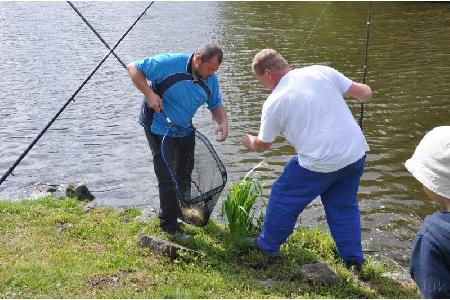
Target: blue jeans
(297, 187)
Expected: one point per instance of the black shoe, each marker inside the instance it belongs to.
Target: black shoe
(174, 230)
(253, 244)
(354, 266)
(171, 227)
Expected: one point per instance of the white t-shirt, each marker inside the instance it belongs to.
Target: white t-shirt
(307, 107)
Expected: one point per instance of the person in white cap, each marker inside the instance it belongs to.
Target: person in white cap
(430, 259)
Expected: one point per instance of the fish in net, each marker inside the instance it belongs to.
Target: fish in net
(197, 173)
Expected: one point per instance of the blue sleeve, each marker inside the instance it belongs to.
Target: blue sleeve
(427, 268)
(215, 101)
(154, 68)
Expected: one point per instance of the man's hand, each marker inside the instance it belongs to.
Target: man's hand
(139, 80)
(154, 101)
(248, 141)
(252, 143)
(223, 130)
(221, 118)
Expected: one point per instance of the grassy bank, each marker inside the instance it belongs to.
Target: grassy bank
(51, 248)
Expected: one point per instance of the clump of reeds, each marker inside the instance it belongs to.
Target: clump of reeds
(238, 205)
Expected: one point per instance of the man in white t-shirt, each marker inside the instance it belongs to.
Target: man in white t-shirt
(307, 107)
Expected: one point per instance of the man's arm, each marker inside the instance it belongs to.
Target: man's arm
(139, 80)
(220, 116)
(252, 142)
(359, 91)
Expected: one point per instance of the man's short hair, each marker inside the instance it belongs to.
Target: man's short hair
(208, 51)
(268, 59)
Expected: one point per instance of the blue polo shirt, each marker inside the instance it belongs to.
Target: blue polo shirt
(182, 96)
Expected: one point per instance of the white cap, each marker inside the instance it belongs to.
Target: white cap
(430, 163)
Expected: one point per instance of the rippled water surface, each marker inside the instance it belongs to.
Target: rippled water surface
(46, 52)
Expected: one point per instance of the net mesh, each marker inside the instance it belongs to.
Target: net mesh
(197, 173)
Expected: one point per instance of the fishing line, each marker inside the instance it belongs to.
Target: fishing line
(314, 26)
(72, 98)
(361, 115)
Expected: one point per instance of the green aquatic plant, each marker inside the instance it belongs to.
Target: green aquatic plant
(238, 205)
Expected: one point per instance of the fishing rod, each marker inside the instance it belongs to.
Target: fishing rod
(361, 115)
(109, 48)
(96, 33)
(72, 98)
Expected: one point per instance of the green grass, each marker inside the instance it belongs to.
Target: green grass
(51, 248)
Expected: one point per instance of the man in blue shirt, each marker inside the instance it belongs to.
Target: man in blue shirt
(180, 84)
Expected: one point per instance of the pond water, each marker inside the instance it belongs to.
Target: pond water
(46, 52)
